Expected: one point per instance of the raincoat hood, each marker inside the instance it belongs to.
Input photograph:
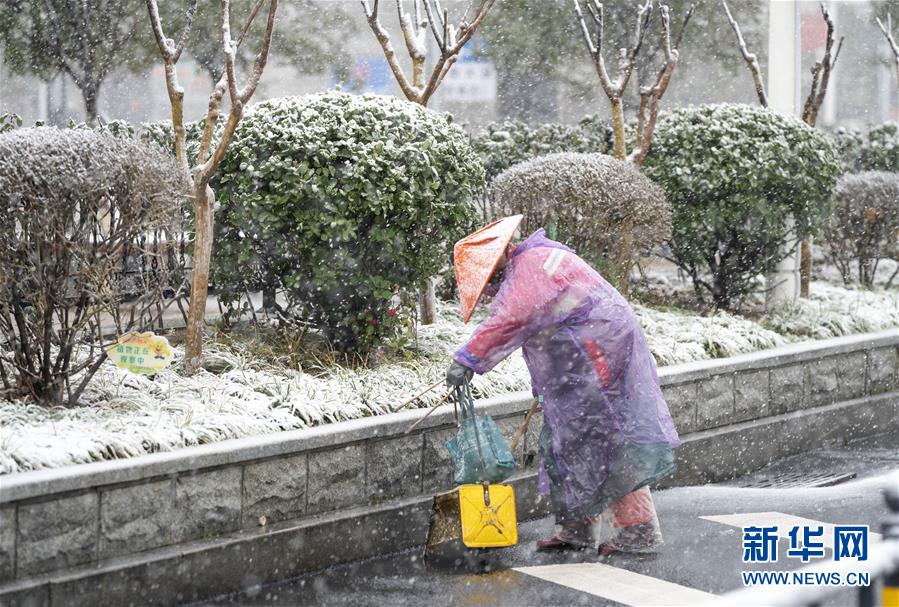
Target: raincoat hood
(476, 257)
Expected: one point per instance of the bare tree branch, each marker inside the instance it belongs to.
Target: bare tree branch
(240, 98)
(450, 42)
(651, 97)
(751, 59)
(821, 74)
(371, 14)
(887, 29)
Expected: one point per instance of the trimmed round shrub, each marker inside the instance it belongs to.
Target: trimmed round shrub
(876, 150)
(864, 226)
(602, 207)
(735, 175)
(79, 207)
(341, 201)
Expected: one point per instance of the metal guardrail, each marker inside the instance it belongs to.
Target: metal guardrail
(882, 565)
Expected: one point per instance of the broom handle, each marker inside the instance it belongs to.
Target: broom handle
(433, 408)
(414, 398)
(524, 426)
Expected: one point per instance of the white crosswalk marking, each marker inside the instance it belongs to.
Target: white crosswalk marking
(637, 590)
(618, 585)
(784, 523)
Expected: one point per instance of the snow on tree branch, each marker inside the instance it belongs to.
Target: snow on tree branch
(450, 40)
(627, 58)
(650, 97)
(821, 73)
(887, 29)
(751, 59)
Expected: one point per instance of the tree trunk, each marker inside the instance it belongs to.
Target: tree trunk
(268, 299)
(204, 220)
(618, 128)
(90, 94)
(625, 253)
(427, 304)
(805, 267)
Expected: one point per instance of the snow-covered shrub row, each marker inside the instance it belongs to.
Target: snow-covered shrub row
(734, 175)
(502, 144)
(833, 311)
(590, 201)
(78, 203)
(341, 200)
(874, 150)
(139, 415)
(864, 225)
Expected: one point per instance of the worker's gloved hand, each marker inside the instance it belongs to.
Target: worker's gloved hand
(458, 374)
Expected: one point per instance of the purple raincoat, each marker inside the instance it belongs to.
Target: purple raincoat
(607, 428)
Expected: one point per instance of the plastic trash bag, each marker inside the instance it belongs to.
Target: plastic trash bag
(479, 452)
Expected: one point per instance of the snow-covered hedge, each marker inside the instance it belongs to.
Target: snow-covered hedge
(592, 201)
(78, 204)
(864, 225)
(338, 200)
(874, 150)
(734, 175)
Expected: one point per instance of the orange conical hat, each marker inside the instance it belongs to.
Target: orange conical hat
(476, 257)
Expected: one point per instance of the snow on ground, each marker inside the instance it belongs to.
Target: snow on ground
(833, 310)
(127, 415)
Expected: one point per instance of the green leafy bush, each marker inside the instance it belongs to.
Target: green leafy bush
(342, 202)
(503, 144)
(876, 150)
(864, 227)
(734, 175)
(602, 207)
(9, 121)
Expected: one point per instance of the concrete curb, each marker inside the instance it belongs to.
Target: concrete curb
(775, 357)
(246, 559)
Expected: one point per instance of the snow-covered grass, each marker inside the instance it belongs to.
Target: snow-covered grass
(833, 310)
(126, 415)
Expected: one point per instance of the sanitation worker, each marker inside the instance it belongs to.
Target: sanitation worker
(607, 432)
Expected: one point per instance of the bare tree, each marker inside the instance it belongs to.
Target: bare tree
(84, 40)
(887, 29)
(650, 96)
(820, 71)
(450, 40)
(820, 78)
(210, 151)
(427, 15)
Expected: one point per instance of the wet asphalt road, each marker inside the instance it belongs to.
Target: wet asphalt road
(697, 553)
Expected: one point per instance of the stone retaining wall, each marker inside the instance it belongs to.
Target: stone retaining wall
(94, 514)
